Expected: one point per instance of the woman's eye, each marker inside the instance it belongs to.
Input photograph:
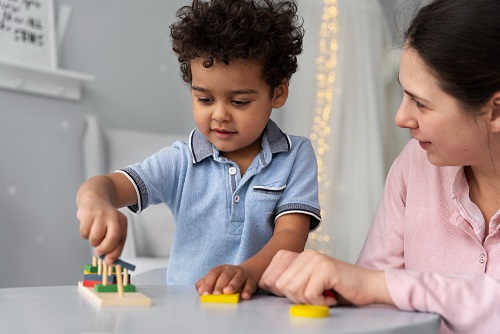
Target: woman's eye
(418, 104)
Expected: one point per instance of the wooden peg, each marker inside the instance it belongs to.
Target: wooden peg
(119, 281)
(99, 267)
(125, 276)
(94, 261)
(104, 273)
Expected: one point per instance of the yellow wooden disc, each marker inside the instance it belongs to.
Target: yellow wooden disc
(310, 311)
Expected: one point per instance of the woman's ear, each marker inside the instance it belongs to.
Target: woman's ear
(495, 113)
(280, 94)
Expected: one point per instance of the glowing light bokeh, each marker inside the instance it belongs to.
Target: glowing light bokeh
(326, 64)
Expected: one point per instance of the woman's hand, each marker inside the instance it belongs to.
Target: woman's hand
(280, 262)
(310, 274)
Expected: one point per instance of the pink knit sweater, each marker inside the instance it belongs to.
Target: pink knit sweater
(427, 236)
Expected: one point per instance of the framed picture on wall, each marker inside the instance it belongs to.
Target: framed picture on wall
(27, 32)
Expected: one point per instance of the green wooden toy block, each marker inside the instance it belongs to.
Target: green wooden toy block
(113, 288)
(90, 268)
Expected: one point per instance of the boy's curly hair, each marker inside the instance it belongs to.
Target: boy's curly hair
(267, 31)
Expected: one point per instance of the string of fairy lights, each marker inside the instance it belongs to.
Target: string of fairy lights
(326, 64)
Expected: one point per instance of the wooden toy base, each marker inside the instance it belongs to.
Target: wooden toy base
(105, 299)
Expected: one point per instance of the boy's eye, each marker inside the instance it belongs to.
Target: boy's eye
(204, 99)
(240, 103)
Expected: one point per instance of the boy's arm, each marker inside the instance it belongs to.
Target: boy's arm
(290, 233)
(100, 222)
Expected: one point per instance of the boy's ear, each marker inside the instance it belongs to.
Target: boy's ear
(280, 94)
(495, 112)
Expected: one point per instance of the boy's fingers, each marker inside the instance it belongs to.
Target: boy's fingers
(222, 279)
(114, 240)
(85, 226)
(107, 244)
(199, 285)
(112, 252)
(241, 282)
(207, 283)
(249, 289)
(97, 233)
(238, 279)
(112, 256)
(225, 277)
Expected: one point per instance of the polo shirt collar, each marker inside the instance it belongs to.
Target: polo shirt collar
(273, 141)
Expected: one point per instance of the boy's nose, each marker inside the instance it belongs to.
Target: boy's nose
(221, 113)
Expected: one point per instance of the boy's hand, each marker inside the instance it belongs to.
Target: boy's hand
(104, 226)
(227, 279)
(100, 222)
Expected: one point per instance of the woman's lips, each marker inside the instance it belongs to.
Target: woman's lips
(424, 144)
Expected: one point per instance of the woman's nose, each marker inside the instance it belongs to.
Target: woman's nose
(404, 117)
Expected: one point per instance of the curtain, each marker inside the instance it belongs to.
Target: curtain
(344, 98)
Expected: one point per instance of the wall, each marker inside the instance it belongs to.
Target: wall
(126, 45)
(40, 171)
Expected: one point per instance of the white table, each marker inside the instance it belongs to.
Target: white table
(176, 309)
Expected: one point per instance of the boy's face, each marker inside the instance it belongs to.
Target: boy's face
(232, 104)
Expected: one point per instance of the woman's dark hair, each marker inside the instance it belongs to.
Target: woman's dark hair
(459, 40)
(266, 31)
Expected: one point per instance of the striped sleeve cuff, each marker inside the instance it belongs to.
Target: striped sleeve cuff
(140, 190)
(300, 208)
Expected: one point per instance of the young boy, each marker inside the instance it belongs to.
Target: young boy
(240, 190)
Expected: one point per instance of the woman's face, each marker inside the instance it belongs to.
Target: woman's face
(448, 135)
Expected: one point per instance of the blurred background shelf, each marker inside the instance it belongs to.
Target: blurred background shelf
(56, 83)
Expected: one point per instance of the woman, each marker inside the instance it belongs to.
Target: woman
(434, 245)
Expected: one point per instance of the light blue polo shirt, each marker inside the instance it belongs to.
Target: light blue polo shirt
(220, 216)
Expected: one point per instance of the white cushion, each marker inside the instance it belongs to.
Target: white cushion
(151, 232)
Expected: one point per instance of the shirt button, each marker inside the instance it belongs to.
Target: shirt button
(237, 198)
(482, 258)
(232, 170)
